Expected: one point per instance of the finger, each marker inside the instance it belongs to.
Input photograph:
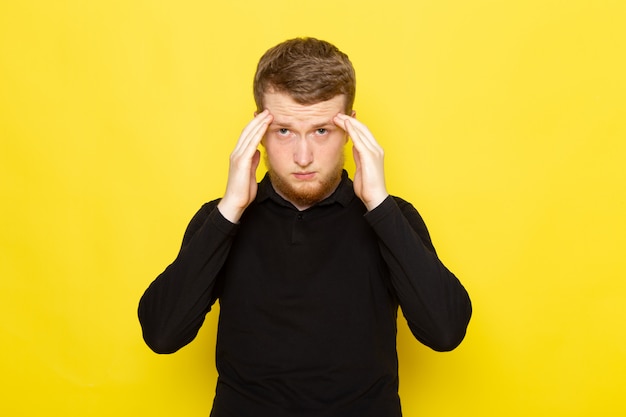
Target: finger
(256, 158)
(359, 136)
(249, 144)
(253, 132)
(357, 158)
(363, 134)
(340, 120)
(357, 130)
(343, 121)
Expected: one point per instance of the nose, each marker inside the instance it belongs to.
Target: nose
(302, 153)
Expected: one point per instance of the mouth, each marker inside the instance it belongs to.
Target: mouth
(304, 176)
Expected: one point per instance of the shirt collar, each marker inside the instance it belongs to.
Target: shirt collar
(343, 194)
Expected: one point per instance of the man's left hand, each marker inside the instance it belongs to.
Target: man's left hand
(369, 178)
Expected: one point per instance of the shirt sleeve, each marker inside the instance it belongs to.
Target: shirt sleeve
(173, 308)
(434, 302)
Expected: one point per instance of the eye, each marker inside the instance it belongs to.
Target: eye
(322, 131)
(283, 131)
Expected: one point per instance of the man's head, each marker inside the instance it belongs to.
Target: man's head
(304, 83)
(308, 70)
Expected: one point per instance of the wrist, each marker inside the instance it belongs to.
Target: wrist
(375, 202)
(229, 212)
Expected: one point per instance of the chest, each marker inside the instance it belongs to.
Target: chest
(318, 261)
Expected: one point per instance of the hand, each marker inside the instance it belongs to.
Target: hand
(242, 187)
(369, 178)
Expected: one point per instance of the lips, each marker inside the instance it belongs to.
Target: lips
(304, 176)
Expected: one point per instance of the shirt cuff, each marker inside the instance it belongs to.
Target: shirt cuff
(381, 211)
(222, 223)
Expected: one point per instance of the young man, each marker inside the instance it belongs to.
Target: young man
(309, 266)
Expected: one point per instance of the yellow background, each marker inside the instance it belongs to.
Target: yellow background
(503, 122)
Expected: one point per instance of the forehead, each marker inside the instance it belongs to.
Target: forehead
(285, 110)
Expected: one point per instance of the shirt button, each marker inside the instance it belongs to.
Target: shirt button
(300, 216)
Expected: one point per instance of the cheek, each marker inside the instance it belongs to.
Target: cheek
(332, 152)
(277, 154)
(340, 144)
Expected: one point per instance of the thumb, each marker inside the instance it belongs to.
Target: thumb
(357, 158)
(256, 158)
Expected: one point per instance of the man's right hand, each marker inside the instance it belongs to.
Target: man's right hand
(242, 187)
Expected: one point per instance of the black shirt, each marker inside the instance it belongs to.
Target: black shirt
(308, 303)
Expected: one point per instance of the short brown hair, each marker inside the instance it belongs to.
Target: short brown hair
(308, 69)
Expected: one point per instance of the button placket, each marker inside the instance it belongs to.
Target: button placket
(297, 234)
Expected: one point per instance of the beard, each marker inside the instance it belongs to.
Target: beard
(306, 193)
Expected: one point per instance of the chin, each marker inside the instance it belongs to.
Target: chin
(299, 193)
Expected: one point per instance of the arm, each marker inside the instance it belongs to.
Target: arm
(173, 307)
(433, 301)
